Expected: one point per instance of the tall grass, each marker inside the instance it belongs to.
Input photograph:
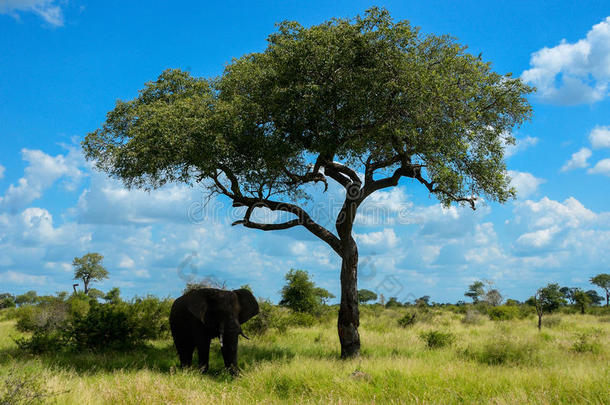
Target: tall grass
(506, 362)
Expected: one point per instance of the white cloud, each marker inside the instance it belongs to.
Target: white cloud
(578, 160)
(573, 73)
(525, 183)
(18, 278)
(41, 173)
(520, 145)
(600, 137)
(601, 167)
(48, 10)
(2, 169)
(383, 239)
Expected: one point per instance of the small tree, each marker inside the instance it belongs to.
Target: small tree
(323, 294)
(568, 293)
(546, 300)
(493, 297)
(423, 302)
(365, 296)
(7, 300)
(596, 299)
(475, 291)
(300, 293)
(581, 299)
(113, 296)
(29, 297)
(393, 302)
(603, 282)
(89, 268)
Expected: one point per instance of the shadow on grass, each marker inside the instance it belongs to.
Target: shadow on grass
(160, 357)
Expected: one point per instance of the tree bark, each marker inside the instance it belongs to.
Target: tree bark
(349, 316)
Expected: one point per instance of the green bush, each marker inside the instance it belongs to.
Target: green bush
(503, 313)
(82, 323)
(587, 342)
(267, 318)
(301, 319)
(502, 350)
(409, 319)
(435, 339)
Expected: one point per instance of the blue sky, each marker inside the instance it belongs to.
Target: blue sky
(63, 64)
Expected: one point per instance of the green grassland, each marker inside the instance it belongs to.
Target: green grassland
(489, 362)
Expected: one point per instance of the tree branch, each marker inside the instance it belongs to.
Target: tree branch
(303, 219)
(430, 186)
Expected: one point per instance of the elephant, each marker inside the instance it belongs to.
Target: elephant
(203, 314)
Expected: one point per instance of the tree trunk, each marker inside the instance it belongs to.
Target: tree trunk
(607, 299)
(539, 321)
(349, 316)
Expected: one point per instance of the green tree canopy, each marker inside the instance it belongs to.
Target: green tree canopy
(365, 295)
(29, 297)
(475, 291)
(603, 281)
(301, 294)
(319, 104)
(89, 268)
(581, 299)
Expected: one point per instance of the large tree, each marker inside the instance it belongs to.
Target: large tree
(365, 103)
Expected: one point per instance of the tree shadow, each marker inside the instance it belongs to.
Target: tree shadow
(161, 357)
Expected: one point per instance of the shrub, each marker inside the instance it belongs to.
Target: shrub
(301, 319)
(502, 350)
(503, 313)
(83, 323)
(409, 319)
(436, 339)
(587, 341)
(260, 324)
(20, 388)
(472, 317)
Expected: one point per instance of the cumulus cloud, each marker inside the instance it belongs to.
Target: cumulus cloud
(525, 183)
(2, 169)
(48, 10)
(573, 73)
(15, 277)
(600, 137)
(382, 239)
(578, 160)
(549, 225)
(42, 172)
(601, 167)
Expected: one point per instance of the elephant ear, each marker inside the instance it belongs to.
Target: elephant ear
(197, 303)
(248, 307)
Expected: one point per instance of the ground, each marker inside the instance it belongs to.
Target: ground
(494, 362)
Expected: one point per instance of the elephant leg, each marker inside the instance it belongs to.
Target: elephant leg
(185, 352)
(203, 349)
(229, 354)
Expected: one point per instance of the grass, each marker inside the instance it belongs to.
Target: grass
(507, 362)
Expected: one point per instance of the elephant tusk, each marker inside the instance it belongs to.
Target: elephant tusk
(242, 333)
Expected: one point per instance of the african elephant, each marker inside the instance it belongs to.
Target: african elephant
(206, 313)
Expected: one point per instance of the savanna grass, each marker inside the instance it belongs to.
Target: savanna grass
(507, 362)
